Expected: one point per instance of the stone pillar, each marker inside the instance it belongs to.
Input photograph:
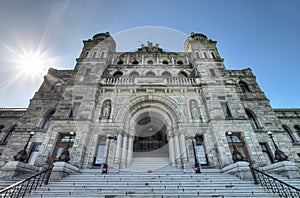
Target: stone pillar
(130, 149)
(118, 149)
(105, 157)
(177, 152)
(171, 150)
(124, 151)
(183, 149)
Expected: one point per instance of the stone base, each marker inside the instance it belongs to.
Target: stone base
(13, 169)
(62, 169)
(240, 169)
(285, 168)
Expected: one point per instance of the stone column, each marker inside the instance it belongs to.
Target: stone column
(124, 151)
(183, 149)
(177, 152)
(171, 150)
(130, 149)
(106, 151)
(118, 149)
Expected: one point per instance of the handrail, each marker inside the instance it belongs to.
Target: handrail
(21, 188)
(273, 184)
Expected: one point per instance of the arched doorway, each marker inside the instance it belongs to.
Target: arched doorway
(150, 137)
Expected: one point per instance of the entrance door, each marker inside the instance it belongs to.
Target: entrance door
(150, 137)
(240, 145)
(63, 142)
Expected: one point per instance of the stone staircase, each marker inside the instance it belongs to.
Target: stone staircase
(159, 183)
(141, 164)
(292, 181)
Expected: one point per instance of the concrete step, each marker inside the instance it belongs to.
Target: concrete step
(292, 181)
(91, 183)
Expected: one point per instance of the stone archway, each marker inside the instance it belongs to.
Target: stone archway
(150, 137)
(150, 119)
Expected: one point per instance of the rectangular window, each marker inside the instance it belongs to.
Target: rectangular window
(238, 142)
(34, 153)
(98, 159)
(212, 72)
(226, 110)
(74, 110)
(266, 151)
(200, 150)
(87, 72)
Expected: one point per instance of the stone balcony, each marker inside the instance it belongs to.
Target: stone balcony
(150, 81)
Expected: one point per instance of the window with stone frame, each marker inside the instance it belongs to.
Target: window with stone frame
(34, 151)
(98, 159)
(252, 117)
(1, 132)
(8, 134)
(134, 74)
(239, 143)
(226, 110)
(243, 87)
(150, 74)
(46, 122)
(212, 72)
(166, 74)
(75, 110)
(267, 152)
(297, 130)
(289, 133)
(200, 149)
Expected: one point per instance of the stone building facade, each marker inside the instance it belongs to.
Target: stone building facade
(169, 106)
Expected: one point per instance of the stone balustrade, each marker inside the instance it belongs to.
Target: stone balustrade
(153, 80)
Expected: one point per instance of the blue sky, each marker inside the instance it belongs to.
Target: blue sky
(260, 34)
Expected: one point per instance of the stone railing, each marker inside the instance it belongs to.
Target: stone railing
(145, 80)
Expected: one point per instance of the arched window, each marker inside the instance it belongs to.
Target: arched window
(150, 74)
(213, 55)
(252, 117)
(205, 55)
(197, 54)
(118, 74)
(150, 62)
(166, 74)
(243, 87)
(135, 62)
(86, 54)
(120, 62)
(297, 128)
(134, 74)
(180, 62)
(289, 133)
(94, 54)
(103, 55)
(9, 133)
(165, 62)
(182, 74)
(47, 120)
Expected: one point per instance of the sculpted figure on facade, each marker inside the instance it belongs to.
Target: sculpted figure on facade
(194, 109)
(106, 110)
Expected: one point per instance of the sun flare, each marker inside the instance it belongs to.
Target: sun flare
(31, 63)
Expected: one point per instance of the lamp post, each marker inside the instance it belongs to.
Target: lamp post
(22, 155)
(104, 165)
(236, 155)
(65, 155)
(279, 155)
(197, 166)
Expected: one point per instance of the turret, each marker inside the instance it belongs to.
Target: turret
(98, 46)
(201, 46)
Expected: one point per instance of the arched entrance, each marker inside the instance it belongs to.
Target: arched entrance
(150, 137)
